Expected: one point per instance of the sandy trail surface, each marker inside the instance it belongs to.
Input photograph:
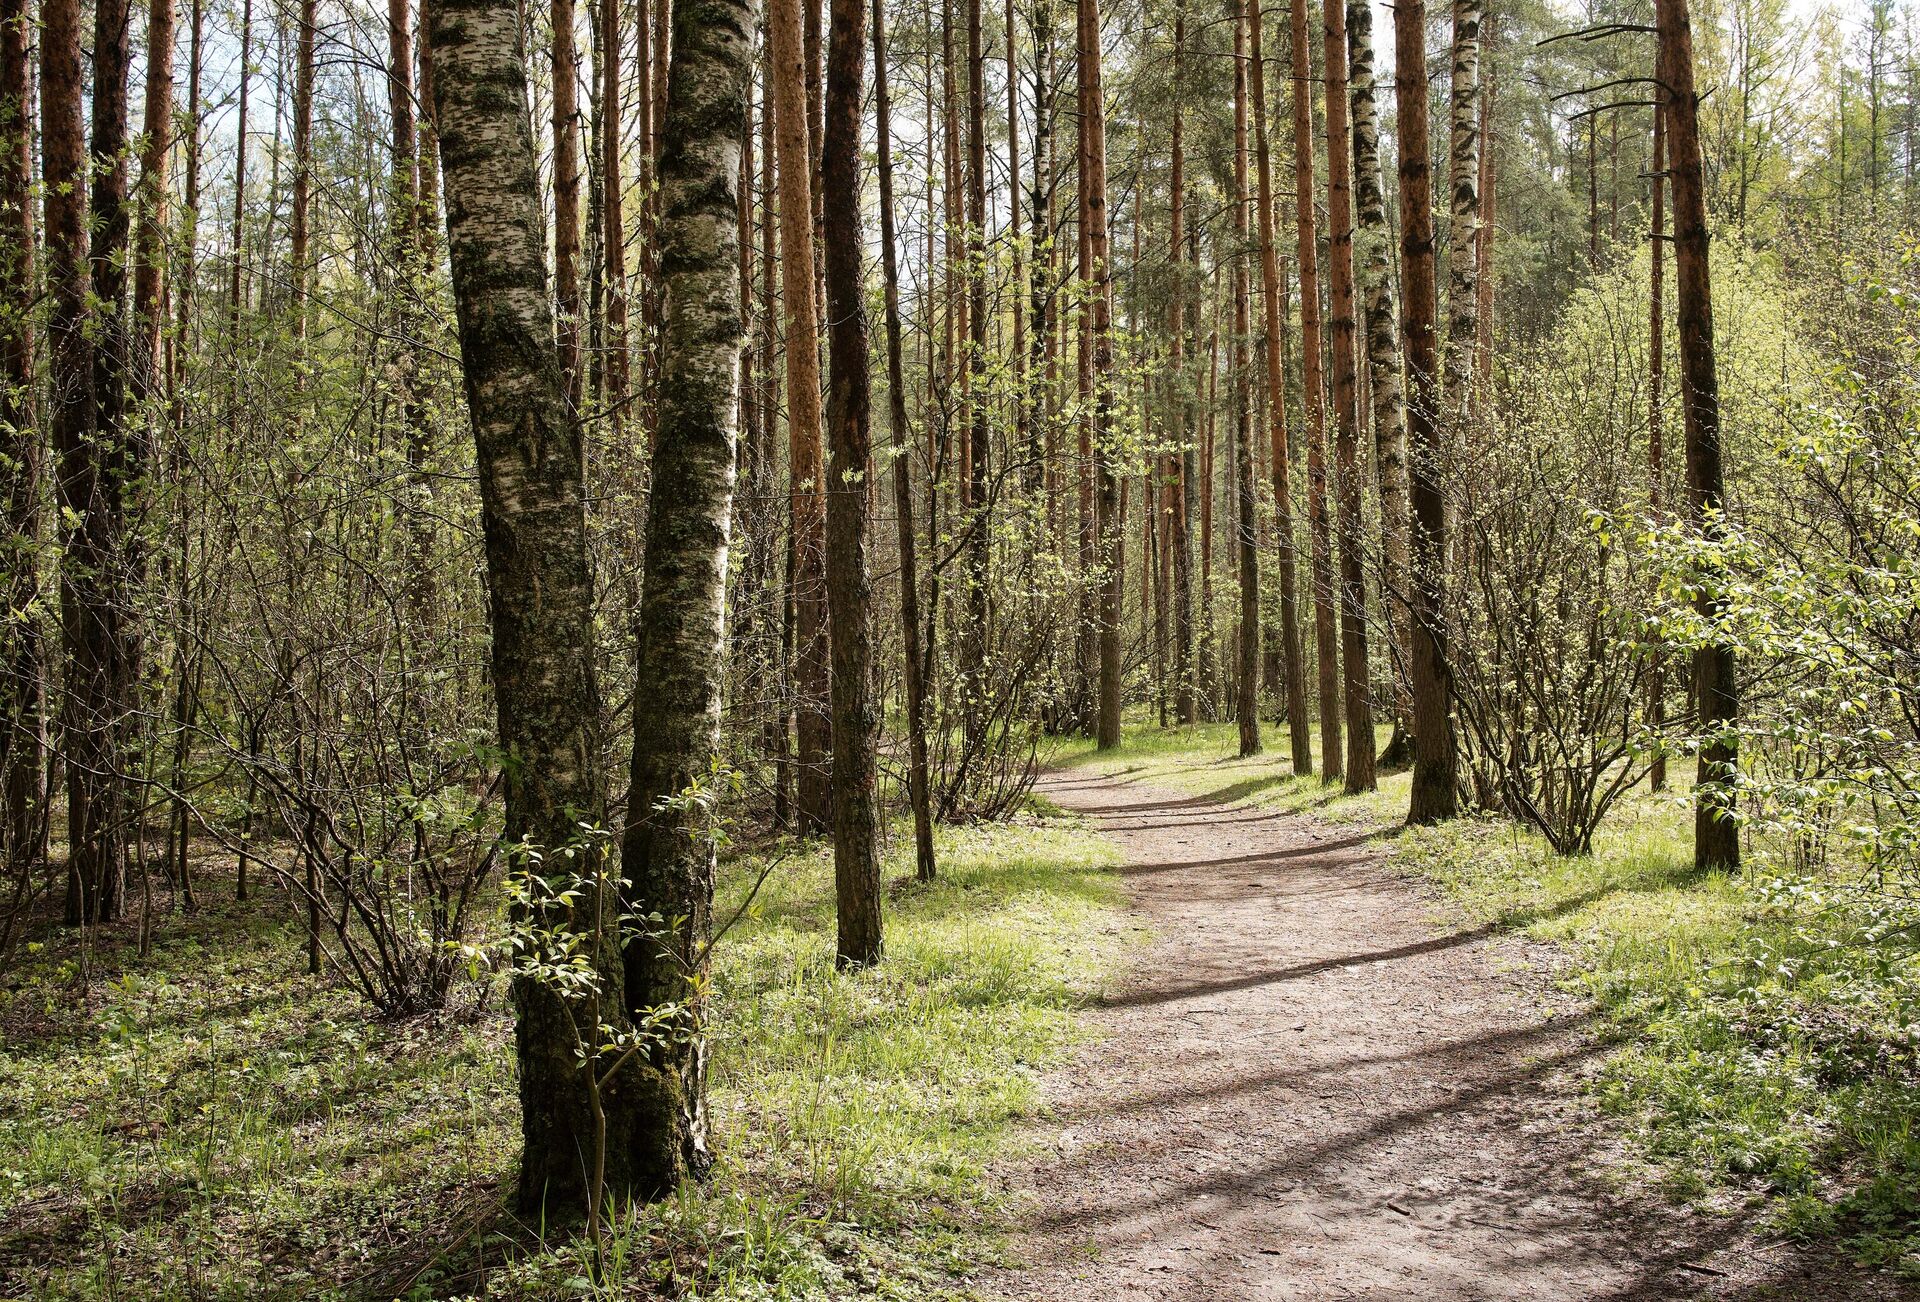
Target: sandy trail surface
(1315, 1082)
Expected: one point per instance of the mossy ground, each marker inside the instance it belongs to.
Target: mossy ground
(209, 1122)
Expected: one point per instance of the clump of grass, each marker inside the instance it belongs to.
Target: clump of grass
(210, 1123)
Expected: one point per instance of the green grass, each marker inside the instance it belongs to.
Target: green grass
(210, 1123)
(1766, 1025)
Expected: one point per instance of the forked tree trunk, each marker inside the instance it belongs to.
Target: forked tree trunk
(1313, 396)
(786, 56)
(1716, 837)
(856, 722)
(915, 669)
(1346, 412)
(1434, 761)
(1373, 266)
(531, 471)
(1294, 669)
(1246, 526)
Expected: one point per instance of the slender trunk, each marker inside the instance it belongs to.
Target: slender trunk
(1093, 214)
(23, 716)
(1246, 526)
(613, 238)
(1184, 458)
(1434, 761)
(148, 362)
(409, 258)
(1483, 253)
(1350, 523)
(1716, 836)
(1656, 392)
(917, 787)
(566, 195)
(1299, 729)
(980, 430)
(1374, 271)
(785, 51)
(856, 722)
(1313, 396)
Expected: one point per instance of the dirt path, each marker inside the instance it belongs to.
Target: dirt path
(1313, 1085)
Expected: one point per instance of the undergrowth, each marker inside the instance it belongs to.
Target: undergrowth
(211, 1123)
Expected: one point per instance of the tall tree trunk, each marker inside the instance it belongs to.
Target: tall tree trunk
(1299, 729)
(613, 238)
(1434, 760)
(1184, 458)
(1346, 408)
(1716, 837)
(666, 856)
(148, 363)
(1483, 253)
(980, 428)
(1246, 525)
(1093, 215)
(409, 256)
(785, 52)
(1656, 431)
(915, 668)
(1463, 236)
(98, 463)
(856, 722)
(531, 470)
(1313, 398)
(1374, 269)
(23, 716)
(566, 195)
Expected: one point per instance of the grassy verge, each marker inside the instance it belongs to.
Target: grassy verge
(1768, 1023)
(209, 1123)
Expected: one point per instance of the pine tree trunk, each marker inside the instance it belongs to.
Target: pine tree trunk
(856, 722)
(1093, 214)
(566, 195)
(1184, 459)
(910, 636)
(1299, 729)
(613, 238)
(88, 343)
(1346, 409)
(531, 471)
(1246, 526)
(785, 51)
(979, 523)
(1433, 796)
(23, 674)
(1313, 398)
(1716, 837)
(1656, 431)
(1374, 270)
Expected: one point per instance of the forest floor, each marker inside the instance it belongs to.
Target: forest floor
(1324, 1080)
